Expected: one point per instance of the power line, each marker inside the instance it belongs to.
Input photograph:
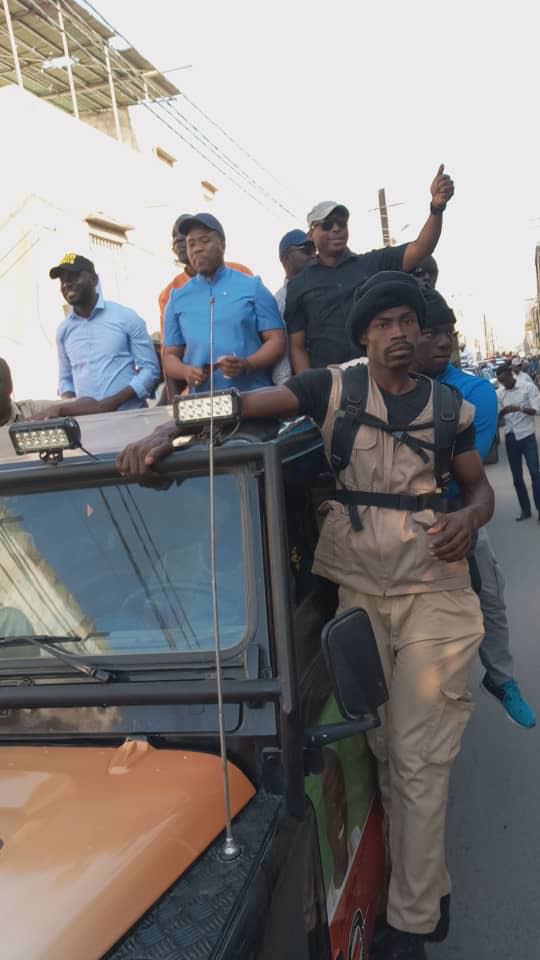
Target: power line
(191, 102)
(218, 158)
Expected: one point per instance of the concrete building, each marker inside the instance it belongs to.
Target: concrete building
(89, 166)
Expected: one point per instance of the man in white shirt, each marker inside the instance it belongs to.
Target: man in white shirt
(519, 404)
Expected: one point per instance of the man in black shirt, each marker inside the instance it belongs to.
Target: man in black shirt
(319, 300)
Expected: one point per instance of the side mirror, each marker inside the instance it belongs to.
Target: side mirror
(355, 669)
(354, 665)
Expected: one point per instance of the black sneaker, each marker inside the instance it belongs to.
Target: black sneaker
(523, 516)
(382, 931)
(403, 946)
(440, 932)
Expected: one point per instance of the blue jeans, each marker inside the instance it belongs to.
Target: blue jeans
(516, 450)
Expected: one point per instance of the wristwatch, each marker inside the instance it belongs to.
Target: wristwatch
(437, 211)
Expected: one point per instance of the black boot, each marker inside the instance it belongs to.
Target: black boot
(381, 933)
(440, 932)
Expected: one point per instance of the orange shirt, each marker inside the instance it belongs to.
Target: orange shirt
(182, 279)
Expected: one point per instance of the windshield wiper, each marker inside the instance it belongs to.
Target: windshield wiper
(46, 642)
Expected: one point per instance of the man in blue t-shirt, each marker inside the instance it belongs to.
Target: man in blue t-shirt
(432, 358)
(248, 331)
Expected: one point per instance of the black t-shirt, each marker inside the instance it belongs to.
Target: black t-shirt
(320, 298)
(312, 390)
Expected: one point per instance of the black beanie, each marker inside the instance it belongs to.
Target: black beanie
(384, 290)
(438, 313)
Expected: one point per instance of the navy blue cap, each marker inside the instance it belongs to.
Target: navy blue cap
(201, 220)
(294, 238)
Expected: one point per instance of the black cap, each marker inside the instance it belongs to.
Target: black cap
(438, 313)
(201, 220)
(384, 290)
(73, 263)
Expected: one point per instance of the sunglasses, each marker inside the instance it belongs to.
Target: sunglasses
(330, 222)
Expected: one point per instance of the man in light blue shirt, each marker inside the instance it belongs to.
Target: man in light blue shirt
(104, 350)
(433, 353)
(249, 334)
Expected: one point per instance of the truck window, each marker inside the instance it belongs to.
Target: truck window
(126, 566)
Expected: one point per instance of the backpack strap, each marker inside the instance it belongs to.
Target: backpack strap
(447, 403)
(352, 415)
(354, 392)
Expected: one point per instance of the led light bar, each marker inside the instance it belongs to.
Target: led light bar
(196, 409)
(45, 436)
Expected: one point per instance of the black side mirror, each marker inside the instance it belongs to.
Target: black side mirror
(354, 665)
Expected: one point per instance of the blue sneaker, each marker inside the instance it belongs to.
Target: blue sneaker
(509, 695)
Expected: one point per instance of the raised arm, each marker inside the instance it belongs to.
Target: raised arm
(442, 190)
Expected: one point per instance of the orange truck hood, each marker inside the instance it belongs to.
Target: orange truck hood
(90, 837)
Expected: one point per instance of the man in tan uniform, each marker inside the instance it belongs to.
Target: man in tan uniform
(388, 543)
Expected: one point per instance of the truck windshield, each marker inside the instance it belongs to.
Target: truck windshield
(127, 567)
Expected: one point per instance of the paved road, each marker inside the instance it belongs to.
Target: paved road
(494, 814)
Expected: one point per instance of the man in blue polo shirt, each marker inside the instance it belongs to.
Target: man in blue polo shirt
(104, 350)
(433, 353)
(249, 334)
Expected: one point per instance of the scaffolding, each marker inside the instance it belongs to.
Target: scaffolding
(72, 68)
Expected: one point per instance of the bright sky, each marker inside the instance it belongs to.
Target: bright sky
(340, 99)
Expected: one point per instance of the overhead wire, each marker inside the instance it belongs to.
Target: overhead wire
(246, 183)
(191, 102)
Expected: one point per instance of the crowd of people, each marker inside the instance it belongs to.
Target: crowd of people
(362, 343)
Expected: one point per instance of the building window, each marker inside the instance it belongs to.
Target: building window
(164, 156)
(107, 233)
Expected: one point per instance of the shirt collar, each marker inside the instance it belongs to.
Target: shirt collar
(346, 255)
(220, 272)
(100, 305)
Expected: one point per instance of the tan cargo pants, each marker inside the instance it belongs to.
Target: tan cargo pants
(427, 643)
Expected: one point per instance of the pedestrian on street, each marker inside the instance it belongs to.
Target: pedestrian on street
(320, 298)
(519, 404)
(393, 550)
(104, 350)
(433, 354)
(249, 334)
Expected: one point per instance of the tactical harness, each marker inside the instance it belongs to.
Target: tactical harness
(352, 415)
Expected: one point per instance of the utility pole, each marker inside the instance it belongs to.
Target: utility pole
(382, 210)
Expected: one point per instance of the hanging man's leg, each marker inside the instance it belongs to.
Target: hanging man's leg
(427, 643)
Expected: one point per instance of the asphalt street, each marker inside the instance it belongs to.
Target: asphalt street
(494, 812)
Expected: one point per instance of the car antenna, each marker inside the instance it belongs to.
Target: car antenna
(230, 849)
